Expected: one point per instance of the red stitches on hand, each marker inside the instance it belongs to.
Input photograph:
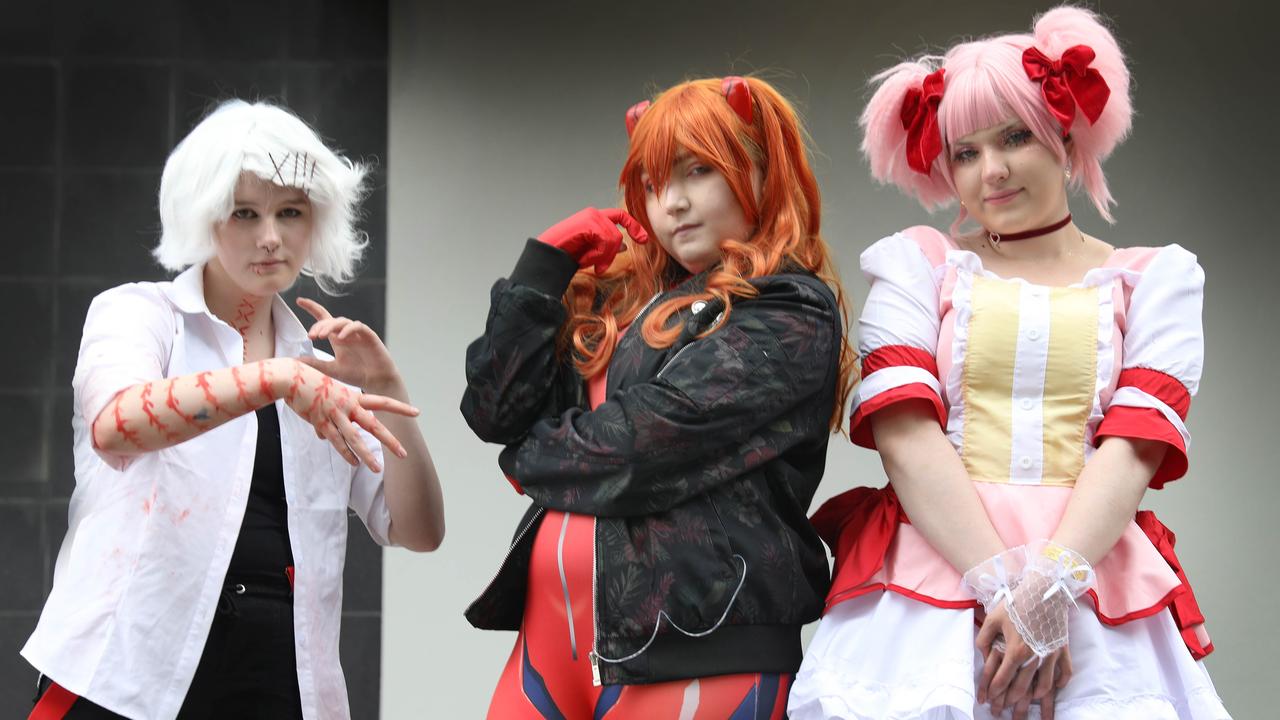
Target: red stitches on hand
(172, 404)
(202, 382)
(152, 419)
(322, 393)
(129, 435)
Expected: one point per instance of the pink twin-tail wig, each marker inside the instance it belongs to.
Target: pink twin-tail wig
(985, 85)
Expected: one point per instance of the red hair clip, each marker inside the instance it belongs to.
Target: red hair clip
(1068, 83)
(633, 115)
(920, 120)
(738, 94)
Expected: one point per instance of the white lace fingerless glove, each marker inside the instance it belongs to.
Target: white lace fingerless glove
(1052, 578)
(994, 579)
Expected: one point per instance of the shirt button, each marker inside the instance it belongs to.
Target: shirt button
(697, 306)
(1034, 334)
(1027, 403)
(1025, 463)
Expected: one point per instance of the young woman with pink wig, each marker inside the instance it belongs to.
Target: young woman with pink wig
(1025, 384)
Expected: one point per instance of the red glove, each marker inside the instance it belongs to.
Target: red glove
(592, 236)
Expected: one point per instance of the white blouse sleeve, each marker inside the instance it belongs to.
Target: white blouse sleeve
(368, 493)
(1163, 359)
(127, 339)
(897, 331)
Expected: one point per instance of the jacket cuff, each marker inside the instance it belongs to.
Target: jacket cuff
(545, 268)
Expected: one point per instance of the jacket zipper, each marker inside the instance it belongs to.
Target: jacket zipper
(675, 357)
(514, 543)
(593, 656)
(564, 584)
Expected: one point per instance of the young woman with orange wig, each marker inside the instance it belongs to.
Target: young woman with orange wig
(667, 410)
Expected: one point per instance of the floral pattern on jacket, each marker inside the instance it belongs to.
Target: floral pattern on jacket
(699, 466)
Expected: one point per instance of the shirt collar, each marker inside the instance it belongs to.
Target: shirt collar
(186, 292)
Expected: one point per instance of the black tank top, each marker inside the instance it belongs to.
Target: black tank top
(263, 545)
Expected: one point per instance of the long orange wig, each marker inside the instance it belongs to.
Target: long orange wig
(695, 117)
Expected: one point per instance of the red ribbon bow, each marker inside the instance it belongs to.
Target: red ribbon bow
(1068, 83)
(738, 94)
(920, 120)
(633, 115)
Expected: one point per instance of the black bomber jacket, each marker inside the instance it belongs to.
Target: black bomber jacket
(699, 468)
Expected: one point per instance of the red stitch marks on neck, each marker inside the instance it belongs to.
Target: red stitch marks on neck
(172, 403)
(202, 382)
(130, 436)
(152, 419)
(244, 319)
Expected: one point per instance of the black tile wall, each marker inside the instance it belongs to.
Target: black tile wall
(21, 574)
(109, 224)
(96, 96)
(28, 321)
(117, 114)
(19, 684)
(28, 29)
(26, 214)
(28, 134)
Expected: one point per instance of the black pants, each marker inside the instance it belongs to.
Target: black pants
(248, 668)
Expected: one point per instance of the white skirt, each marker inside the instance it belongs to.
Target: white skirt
(888, 657)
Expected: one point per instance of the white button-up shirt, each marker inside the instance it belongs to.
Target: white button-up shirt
(150, 537)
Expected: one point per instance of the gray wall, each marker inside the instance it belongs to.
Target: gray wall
(506, 117)
(95, 95)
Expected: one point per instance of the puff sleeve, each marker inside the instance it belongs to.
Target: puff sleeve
(898, 329)
(1163, 360)
(128, 336)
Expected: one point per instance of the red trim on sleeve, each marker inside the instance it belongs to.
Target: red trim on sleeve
(54, 704)
(514, 483)
(860, 429)
(1162, 386)
(898, 356)
(1147, 424)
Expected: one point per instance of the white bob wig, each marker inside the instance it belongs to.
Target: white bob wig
(197, 190)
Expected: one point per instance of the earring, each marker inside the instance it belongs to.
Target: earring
(1068, 171)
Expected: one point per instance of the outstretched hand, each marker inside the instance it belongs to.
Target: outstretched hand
(334, 411)
(359, 356)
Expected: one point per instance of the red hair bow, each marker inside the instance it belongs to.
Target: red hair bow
(920, 120)
(633, 115)
(738, 94)
(1068, 83)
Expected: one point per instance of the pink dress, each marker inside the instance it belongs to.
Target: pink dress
(1026, 380)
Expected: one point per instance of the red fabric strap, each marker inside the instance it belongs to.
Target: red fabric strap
(1162, 386)
(898, 356)
(858, 525)
(54, 704)
(1184, 608)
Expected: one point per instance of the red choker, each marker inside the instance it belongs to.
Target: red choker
(998, 238)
